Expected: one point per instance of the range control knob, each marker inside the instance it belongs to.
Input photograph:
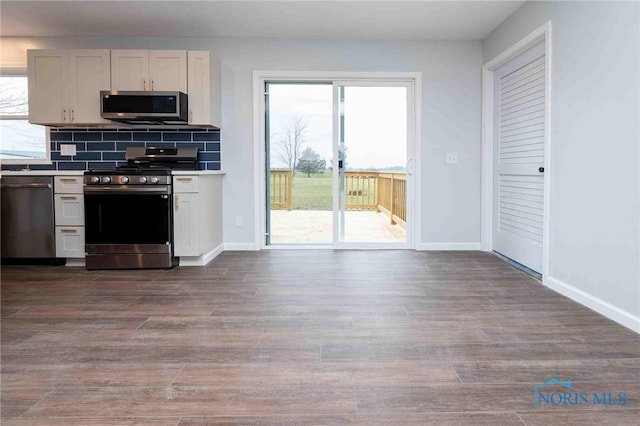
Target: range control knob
(142, 179)
(94, 179)
(153, 179)
(124, 180)
(105, 179)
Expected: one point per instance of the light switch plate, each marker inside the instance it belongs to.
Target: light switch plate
(452, 158)
(67, 149)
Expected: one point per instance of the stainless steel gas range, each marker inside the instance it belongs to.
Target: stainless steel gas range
(129, 210)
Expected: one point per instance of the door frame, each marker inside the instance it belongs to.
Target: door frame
(414, 94)
(541, 34)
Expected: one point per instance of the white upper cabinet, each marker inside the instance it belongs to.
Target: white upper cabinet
(130, 70)
(89, 72)
(204, 88)
(143, 70)
(168, 70)
(48, 71)
(64, 85)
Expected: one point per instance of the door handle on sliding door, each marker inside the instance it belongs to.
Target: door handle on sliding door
(409, 166)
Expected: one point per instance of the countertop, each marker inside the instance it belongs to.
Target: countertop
(81, 172)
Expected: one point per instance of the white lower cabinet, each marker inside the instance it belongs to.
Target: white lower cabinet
(197, 217)
(185, 219)
(69, 216)
(70, 241)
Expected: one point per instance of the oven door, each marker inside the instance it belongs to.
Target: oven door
(128, 227)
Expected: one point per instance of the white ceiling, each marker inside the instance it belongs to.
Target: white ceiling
(357, 20)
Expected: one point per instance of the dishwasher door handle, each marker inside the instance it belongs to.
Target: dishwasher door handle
(26, 185)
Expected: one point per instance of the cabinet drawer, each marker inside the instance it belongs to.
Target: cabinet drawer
(68, 184)
(185, 184)
(70, 241)
(69, 209)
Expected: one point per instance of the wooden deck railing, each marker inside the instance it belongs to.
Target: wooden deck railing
(281, 187)
(364, 190)
(392, 196)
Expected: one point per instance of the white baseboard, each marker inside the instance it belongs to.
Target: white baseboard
(240, 247)
(202, 260)
(448, 246)
(610, 311)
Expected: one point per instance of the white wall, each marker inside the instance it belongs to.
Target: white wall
(450, 114)
(595, 154)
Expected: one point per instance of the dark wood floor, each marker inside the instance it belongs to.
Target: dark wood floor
(305, 337)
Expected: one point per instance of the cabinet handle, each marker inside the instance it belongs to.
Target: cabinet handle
(144, 84)
(177, 202)
(68, 179)
(184, 179)
(68, 197)
(64, 114)
(69, 231)
(151, 85)
(72, 116)
(190, 116)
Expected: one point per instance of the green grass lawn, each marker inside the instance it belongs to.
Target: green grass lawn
(313, 193)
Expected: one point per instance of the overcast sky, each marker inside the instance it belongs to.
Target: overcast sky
(375, 122)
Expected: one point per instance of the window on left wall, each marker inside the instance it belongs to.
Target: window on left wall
(20, 141)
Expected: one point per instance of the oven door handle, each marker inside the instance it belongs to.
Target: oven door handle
(127, 190)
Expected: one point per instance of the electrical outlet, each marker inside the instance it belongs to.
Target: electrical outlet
(452, 158)
(67, 149)
(238, 220)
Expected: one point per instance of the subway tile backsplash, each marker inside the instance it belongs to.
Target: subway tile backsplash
(105, 148)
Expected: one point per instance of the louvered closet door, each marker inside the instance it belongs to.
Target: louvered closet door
(519, 138)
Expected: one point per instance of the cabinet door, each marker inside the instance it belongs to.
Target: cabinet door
(68, 184)
(69, 209)
(70, 241)
(130, 70)
(186, 225)
(199, 89)
(89, 73)
(48, 73)
(168, 70)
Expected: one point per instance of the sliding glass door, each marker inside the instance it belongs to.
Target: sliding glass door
(371, 135)
(336, 157)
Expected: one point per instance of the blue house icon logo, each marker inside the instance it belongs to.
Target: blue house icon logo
(536, 390)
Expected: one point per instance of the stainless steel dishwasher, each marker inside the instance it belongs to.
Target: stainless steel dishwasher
(28, 228)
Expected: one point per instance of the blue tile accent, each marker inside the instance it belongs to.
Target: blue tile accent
(147, 136)
(92, 155)
(101, 151)
(86, 136)
(80, 146)
(162, 144)
(116, 136)
(215, 146)
(176, 136)
(55, 156)
(93, 165)
(101, 146)
(209, 156)
(116, 155)
(43, 166)
(200, 146)
(61, 136)
(209, 136)
(72, 165)
(12, 167)
(122, 146)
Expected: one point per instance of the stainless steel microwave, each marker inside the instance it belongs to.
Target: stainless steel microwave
(151, 107)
